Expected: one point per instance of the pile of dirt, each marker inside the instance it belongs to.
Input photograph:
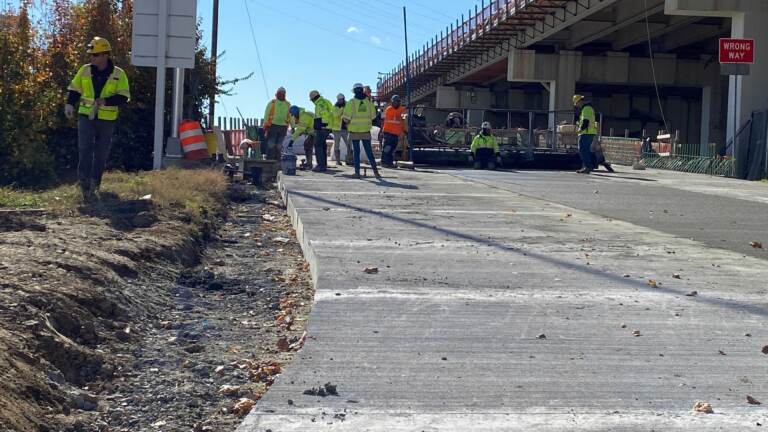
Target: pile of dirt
(113, 319)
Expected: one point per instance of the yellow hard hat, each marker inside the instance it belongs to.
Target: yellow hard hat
(99, 45)
(577, 99)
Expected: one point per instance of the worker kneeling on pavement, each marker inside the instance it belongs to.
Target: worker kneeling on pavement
(392, 131)
(100, 87)
(485, 149)
(303, 122)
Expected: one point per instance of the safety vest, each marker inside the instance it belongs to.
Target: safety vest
(587, 113)
(277, 113)
(117, 84)
(324, 110)
(336, 118)
(393, 120)
(304, 125)
(484, 141)
(359, 113)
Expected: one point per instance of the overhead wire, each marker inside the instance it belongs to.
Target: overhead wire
(653, 68)
(256, 45)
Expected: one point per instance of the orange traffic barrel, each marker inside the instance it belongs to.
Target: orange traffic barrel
(193, 141)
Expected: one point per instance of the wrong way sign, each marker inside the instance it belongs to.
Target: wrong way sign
(740, 51)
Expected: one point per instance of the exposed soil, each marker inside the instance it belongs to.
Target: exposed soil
(120, 320)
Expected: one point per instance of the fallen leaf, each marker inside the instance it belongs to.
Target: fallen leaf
(282, 344)
(756, 244)
(541, 336)
(676, 276)
(703, 407)
(623, 325)
(653, 283)
(242, 407)
(753, 401)
(268, 217)
(693, 294)
(229, 390)
(765, 350)
(371, 270)
(636, 333)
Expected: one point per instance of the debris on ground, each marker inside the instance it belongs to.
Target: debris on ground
(765, 350)
(653, 283)
(371, 270)
(326, 389)
(756, 244)
(703, 407)
(636, 333)
(541, 336)
(692, 294)
(753, 401)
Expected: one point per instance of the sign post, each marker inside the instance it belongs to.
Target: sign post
(735, 57)
(163, 37)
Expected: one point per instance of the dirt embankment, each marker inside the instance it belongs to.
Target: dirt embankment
(112, 317)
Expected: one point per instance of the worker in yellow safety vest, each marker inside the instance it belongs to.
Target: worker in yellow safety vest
(359, 115)
(276, 121)
(303, 122)
(485, 149)
(100, 87)
(339, 130)
(322, 123)
(587, 132)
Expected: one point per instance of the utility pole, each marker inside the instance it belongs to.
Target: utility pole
(214, 54)
(408, 89)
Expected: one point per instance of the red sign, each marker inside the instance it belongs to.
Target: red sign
(737, 51)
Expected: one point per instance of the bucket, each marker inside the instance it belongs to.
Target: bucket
(288, 164)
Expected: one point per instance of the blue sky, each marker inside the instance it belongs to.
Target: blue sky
(326, 45)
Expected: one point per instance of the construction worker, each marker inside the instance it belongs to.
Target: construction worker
(303, 123)
(322, 122)
(394, 119)
(587, 132)
(276, 121)
(359, 114)
(485, 149)
(100, 87)
(339, 129)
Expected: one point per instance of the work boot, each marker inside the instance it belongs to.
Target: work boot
(609, 168)
(584, 171)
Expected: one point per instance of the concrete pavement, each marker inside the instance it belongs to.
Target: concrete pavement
(496, 311)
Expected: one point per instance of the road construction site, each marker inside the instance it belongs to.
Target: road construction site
(496, 301)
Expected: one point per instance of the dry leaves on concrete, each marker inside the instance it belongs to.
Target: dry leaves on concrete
(765, 350)
(653, 283)
(756, 244)
(753, 401)
(703, 407)
(242, 407)
(371, 270)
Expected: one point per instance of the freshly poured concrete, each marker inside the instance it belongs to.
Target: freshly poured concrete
(446, 336)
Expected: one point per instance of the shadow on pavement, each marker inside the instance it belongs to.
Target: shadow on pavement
(619, 280)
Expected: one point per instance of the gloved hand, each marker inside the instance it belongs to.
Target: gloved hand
(69, 111)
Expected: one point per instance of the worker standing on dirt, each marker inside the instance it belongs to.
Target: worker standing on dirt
(276, 121)
(339, 130)
(359, 114)
(485, 149)
(100, 87)
(587, 132)
(303, 123)
(392, 131)
(322, 122)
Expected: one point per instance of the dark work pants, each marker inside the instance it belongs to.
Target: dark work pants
(272, 147)
(585, 151)
(485, 159)
(321, 148)
(94, 139)
(388, 148)
(368, 152)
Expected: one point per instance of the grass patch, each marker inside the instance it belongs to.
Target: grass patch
(190, 191)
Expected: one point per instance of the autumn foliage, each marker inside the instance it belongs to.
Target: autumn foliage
(42, 44)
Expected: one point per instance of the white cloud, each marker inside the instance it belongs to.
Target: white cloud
(375, 40)
(353, 29)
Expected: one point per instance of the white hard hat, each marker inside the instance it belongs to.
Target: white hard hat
(486, 125)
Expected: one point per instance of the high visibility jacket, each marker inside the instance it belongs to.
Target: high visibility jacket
(305, 124)
(324, 110)
(117, 84)
(360, 113)
(336, 118)
(484, 141)
(587, 113)
(393, 120)
(277, 113)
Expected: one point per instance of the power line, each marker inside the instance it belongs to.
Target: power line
(367, 24)
(256, 45)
